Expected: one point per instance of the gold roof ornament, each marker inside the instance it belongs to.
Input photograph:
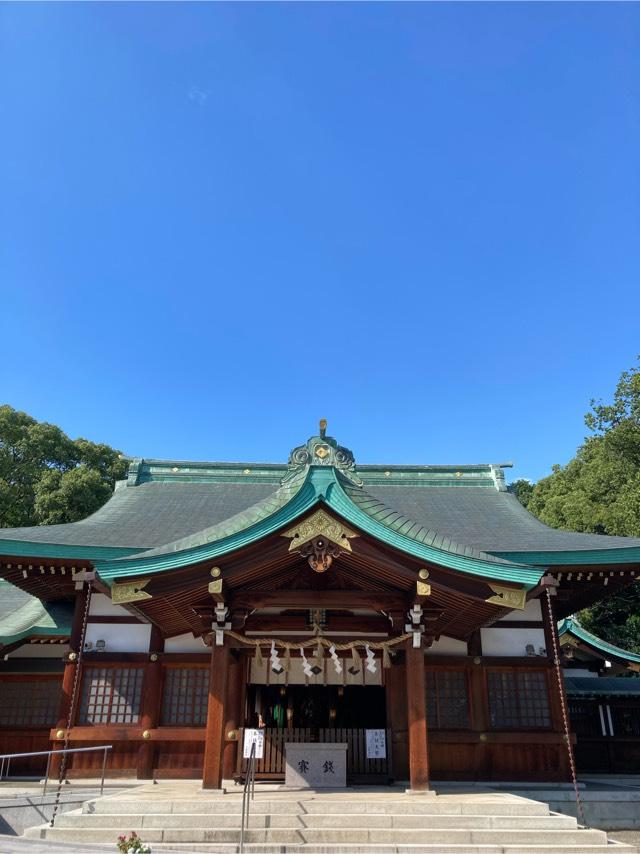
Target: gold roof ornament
(320, 524)
(320, 539)
(507, 597)
(323, 427)
(130, 591)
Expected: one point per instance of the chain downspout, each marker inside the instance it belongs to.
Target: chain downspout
(72, 704)
(563, 706)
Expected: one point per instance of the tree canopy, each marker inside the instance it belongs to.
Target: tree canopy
(598, 491)
(46, 477)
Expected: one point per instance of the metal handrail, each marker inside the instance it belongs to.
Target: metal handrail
(4, 769)
(248, 793)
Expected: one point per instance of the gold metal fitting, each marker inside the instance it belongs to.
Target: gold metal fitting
(477, 660)
(483, 736)
(232, 735)
(153, 657)
(146, 734)
(60, 733)
(216, 572)
(73, 656)
(423, 574)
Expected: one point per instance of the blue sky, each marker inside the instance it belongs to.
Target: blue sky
(223, 222)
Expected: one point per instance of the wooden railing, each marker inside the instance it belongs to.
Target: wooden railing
(272, 764)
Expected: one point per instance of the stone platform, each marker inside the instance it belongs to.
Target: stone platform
(181, 817)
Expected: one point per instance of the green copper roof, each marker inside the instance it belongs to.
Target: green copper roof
(602, 686)
(23, 616)
(168, 506)
(571, 626)
(309, 486)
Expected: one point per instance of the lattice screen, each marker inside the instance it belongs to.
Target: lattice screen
(184, 696)
(111, 695)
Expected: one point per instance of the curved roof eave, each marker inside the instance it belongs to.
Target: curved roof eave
(571, 626)
(320, 485)
(586, 557)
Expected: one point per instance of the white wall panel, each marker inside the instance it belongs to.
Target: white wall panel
(448, 646)
(532, 611)
(120, 637)
(185, 643)
(511, 642)
(102, 606)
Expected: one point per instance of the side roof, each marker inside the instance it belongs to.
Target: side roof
(570, 627)
(23, 616)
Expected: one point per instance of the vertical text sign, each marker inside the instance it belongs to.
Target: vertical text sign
(251, 737)
(376, 744)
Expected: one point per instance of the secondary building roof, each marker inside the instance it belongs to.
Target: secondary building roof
(602, 686)
(570, 628)
(23, 616)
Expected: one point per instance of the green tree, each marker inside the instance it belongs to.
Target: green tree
(598, 491)
(522, 489)
(48, 478)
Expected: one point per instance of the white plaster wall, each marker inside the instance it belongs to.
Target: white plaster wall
(532, 611)
(40, 650)
(185, 643)
(511, 642)
(447, 646)
(102, 606)
(120, 637)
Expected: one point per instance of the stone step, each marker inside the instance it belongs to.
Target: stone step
(396, 806)
(323, 836)
(141, 821)
(253, 848)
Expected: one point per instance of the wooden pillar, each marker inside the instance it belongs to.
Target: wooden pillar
(396, 692)
(232, 715)
(214, 733)
(417, 719)
(68, 677)
(479, 719)
(150, 705)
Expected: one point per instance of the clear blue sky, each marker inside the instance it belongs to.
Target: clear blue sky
(223, 222)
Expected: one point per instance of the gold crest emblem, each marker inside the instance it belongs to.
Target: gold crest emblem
(321, 451)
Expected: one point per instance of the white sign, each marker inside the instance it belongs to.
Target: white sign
(251, 737)
(376, 744)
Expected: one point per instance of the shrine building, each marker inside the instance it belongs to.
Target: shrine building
(316, 601)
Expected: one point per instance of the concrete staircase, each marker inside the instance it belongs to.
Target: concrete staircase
(347, 822)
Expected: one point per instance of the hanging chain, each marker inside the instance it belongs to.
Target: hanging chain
(72, 704)
(563, 706)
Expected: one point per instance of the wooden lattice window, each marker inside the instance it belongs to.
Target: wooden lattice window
(585, 717)
(185, 696)
(111, 695)
(29, 703)
(625, 720)
(447, 699)
(518, 699)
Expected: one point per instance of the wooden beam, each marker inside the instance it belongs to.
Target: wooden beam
(272, 623)
(326, 599)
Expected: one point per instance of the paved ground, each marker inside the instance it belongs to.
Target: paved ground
(631, 837)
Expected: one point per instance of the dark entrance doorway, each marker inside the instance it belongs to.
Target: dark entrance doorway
(316, 706)
(316, 713)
